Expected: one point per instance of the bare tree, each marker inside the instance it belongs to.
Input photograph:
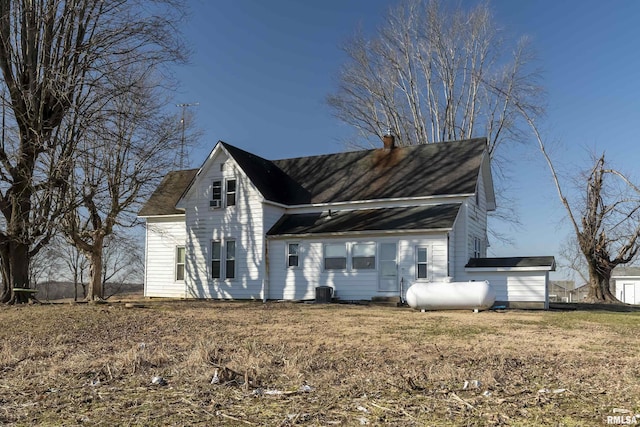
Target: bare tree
(119, 160)
(54, 56)
(433, 74)
(605, 220)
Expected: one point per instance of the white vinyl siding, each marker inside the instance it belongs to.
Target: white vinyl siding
(243, 224)
(516, 286)
(349, 284)
(163, 236)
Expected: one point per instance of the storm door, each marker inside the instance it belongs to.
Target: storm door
(388, 268)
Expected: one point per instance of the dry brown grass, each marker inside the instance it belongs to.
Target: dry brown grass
(93, 364)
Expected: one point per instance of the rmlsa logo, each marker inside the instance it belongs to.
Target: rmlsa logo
(623, 419)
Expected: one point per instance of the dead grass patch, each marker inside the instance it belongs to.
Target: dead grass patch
(298, 364)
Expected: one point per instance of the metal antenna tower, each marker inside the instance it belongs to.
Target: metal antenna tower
(184, 109)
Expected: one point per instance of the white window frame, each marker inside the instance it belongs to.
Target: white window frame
(324, 257)
(219, 260)
(225, 259)
(227, 192)
(213, 188)
(477, 247)
(425, 263)
(288, 255)
(178, 263)
(230, 258)
(353, 257)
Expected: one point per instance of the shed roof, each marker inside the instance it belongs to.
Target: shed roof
(513, 262)
(164, 198)
(435, 217)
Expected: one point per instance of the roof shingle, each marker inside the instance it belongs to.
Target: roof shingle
(164, 199)
(435, 217)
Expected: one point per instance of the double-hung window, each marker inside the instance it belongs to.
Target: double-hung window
(228, 263)
(180, 263)
(216, 260)
(231, 192)
(335, 256)
(363, 256)
(293, 255)
(421, 262)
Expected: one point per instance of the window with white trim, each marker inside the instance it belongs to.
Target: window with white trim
(335, 256)
(216, 259)
(223, 259)
(421, 262)
(231, 192)
(477, 247)
(180, 263)
(363, 256)
(293, 255)
(216, 192)
(230, 265)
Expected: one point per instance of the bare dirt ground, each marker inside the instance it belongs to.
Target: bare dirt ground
(282, 364)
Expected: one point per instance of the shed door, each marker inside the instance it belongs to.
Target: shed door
(388, 279)
(629, 293)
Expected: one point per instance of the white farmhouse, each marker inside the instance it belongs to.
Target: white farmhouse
(363, 224)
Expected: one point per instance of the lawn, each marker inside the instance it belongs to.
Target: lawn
(281, 364)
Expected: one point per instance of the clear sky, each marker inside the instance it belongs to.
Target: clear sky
(261, 70)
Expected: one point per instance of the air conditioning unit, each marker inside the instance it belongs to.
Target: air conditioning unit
(215, 204)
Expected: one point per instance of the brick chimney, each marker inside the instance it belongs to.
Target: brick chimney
(388, 140)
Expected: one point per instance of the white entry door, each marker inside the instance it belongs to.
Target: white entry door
(388, 268)
(629, 293)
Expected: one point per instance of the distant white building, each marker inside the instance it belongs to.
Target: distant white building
(626, 284)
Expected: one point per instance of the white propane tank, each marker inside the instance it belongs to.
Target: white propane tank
(451, 296)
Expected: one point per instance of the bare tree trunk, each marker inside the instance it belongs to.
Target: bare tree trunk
(599, 280)
(96, 290)
(15, 272)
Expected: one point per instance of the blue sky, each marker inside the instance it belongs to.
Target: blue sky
(261, 71)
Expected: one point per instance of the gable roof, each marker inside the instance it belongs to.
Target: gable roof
(546, 262)
(418, 171)
(446, 168)
(435, 217)
(166, 196)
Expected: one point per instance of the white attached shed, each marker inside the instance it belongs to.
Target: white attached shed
(626, 284)
(519, 282)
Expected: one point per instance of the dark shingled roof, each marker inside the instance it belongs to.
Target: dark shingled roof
(405, 219)
(412, 171)
(163, 200)
(512, 262)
